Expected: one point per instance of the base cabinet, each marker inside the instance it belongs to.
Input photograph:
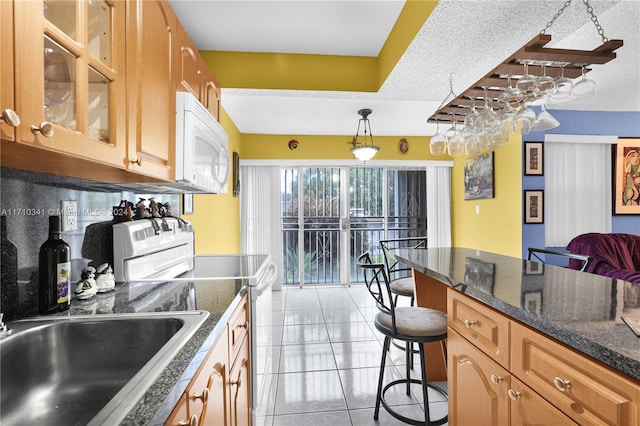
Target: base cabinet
(538, 381)
(478, 386)
(219, 394)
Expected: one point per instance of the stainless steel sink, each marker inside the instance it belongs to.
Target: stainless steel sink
(86, 369)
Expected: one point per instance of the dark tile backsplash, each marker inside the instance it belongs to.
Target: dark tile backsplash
(27, 200)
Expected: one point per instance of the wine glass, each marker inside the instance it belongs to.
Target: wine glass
(525, 118)
(472, 122)
(472, 145)
(584, 87)
(438, 143)
(57, 83)
(527, 83)
(563, 93)
(544, 120)
(455, 145)
(511, 95)
(544, 84)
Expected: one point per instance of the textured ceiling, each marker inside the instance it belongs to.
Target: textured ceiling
(465, 38)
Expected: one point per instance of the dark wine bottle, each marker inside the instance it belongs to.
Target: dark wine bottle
(9, 274)
(54, 261)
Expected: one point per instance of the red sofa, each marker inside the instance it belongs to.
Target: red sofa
(614, 255)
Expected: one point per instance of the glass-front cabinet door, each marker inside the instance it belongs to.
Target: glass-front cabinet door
(69, 77)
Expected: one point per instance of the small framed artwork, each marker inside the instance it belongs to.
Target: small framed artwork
(626, 179)
(532, 302)
(533, 159)
(235, 176)
(479, 274)
(534, 206)
(478, 177)
(534, 268)
(187, 203)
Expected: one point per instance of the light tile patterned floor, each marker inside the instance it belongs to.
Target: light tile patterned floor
(327, 358)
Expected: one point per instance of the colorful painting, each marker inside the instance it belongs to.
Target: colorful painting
(478, 177)
(627, 177)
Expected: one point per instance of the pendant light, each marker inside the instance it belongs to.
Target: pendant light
(364, 151)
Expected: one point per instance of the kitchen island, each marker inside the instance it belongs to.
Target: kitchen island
(549, 338)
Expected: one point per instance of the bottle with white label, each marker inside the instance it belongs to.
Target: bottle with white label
(54, 260)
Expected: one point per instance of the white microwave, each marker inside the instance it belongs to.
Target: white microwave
(202, 154)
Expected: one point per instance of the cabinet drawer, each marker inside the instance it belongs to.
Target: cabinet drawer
(485, 328)
(583, 389)
(238, 327)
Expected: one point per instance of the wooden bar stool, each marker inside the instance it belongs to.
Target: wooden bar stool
(409, 324)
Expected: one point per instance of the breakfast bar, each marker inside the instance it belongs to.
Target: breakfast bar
(553, 337)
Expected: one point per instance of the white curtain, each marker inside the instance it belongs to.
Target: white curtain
(439, 206)
(260, 214)
(577, 190)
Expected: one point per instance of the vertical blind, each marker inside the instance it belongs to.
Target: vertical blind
(577, 190)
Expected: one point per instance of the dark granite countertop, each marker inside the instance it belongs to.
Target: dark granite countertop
(579, 309)
(218, 297)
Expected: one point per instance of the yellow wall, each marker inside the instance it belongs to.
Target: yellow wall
(498, 227)
(216, 217)
(329, 147)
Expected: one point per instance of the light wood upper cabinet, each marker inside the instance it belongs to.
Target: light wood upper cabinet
(193, 74)
(211, 93)
(69, 80)
(7, 131)
(151, 34)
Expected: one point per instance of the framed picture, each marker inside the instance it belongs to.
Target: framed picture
(479, 274)
(532, 302)
(533, 159)
(626, 181)
(534, 268)
(534, 206)
(187, 203)
(235, 174)
(478, 177)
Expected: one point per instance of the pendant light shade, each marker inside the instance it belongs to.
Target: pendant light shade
(365, 150)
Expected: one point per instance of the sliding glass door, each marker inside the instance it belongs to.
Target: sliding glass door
(329, 215)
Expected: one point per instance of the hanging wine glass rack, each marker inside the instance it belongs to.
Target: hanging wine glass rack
(537, 56)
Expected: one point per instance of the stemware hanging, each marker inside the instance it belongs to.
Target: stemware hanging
(584, 87)
(438, 143)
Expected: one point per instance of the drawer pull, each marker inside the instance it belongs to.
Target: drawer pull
(204, 396)
(245, 325)
(193, 421)
(236, 382)
(561, 385)
(469, 323)
(138, 161)
(496, 380)
(514, 395)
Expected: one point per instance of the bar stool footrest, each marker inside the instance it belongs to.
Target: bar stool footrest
(408, 420)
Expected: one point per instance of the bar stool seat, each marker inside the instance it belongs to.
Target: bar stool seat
(410, 324)
(402, 287)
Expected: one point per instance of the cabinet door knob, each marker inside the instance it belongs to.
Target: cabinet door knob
(496, 380)
(204, 396)
(236, 382)
(193, 421)
(561, 385)
(45, 129)
(514, 395)
(469, 323)
(138, 161)
(10, 117)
